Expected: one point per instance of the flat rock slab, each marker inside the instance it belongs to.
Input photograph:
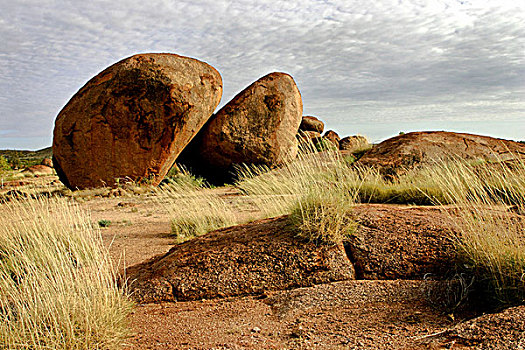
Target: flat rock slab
(402, 242)
(241, 260)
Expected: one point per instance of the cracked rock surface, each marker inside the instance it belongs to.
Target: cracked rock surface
(241, 260)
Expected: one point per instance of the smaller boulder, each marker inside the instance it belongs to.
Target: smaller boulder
(39, 169)
(47, 162)
(307, 138)
(257, 127)
(310, 123)
(353, 143)
(332, 137)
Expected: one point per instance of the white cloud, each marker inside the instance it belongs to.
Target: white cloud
(354, 61)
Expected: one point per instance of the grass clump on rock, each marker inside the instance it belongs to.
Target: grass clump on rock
(57, 283)
(317, 189)
(199, 216)
(323, 218)
(492, 242)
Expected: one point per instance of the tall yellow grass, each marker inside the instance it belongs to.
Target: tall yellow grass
(492, 242)
(57, 283)
(194, 212)
(317, 189)
(320, 188)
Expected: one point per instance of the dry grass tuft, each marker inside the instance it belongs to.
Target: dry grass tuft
(492, 243)
(57, 284)
(317, 189)
(324, 217)
(194, 210)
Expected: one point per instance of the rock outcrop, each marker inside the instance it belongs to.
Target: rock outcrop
(394, 242)
(332, 137)
(39, 169)
(391, 242)
(241, 260)
(310, 123)
(257, 127)
(353, 143)
(132, 120)
(405, 152)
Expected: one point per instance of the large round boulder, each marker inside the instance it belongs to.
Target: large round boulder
(131, 121)
(257, 127)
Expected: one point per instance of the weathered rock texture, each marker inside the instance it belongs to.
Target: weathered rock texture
(353, 143)
(504, 330)
(133, 119)
(241, 260)
(47, 162)
(257, 127)
(309, 123)
(404, 152)
(402, 242)
(333, 137)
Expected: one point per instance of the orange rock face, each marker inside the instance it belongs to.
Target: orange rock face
(407, 151)
(240, 260)
(310, 123)
(332, 137)
(132, 120)
(257, 127)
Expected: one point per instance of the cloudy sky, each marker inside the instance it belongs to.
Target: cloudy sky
(369, 67)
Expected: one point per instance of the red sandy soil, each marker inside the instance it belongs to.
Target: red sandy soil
(358, 314)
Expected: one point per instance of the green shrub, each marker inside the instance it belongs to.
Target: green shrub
(4, 164)
(104, 223)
